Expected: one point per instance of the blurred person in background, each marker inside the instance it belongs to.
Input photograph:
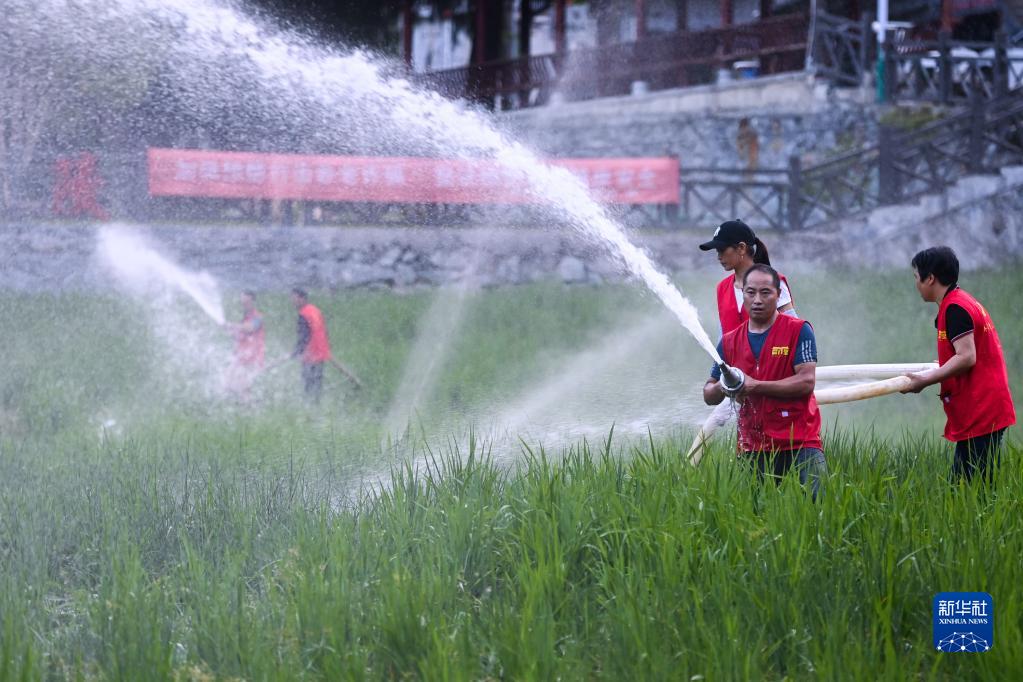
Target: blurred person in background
(250, 346)
(312, 346)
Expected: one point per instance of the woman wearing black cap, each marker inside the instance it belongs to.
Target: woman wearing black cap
(738, 249)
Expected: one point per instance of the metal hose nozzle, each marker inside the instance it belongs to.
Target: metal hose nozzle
(732, 379)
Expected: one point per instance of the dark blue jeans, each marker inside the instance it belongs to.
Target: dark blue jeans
(312, 380)
(808, 462)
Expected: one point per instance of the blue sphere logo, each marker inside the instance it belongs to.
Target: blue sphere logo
(963, 641)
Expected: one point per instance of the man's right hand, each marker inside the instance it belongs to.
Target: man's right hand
(712, 392)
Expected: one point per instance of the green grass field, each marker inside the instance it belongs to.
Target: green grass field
(396, 532)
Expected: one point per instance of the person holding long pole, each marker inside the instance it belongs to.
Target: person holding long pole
(313, 346)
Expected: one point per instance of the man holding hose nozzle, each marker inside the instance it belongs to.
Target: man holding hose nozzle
(776, 355)
(971, 367)
(738, 249)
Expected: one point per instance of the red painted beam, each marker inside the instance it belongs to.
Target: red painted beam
(727, 13)
(640, 19)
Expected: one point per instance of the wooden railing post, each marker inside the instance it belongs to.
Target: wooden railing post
(795, 205)
(889, 188)
(890, 87)
(866, 35)
(944, 67)
(975, 162)
(674, 210)
(1000, 69)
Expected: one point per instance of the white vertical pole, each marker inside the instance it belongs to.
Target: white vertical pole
(882, 33)
(882, 20)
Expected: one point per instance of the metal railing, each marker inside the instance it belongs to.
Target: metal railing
(903, 166)
(843, 50)
(777, 44)
(713, 195)
(906, 165)
(947, 71)
(835, 189)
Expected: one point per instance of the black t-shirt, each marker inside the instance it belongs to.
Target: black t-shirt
(957, 321)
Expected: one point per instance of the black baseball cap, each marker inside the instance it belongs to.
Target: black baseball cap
(730, 233)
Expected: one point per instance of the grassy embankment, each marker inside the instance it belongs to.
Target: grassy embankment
(205, 541)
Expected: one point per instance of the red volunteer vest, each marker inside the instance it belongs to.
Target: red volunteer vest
(729, 314)
(318, 349)
(977, 402)
(250, 348)
(772, 424)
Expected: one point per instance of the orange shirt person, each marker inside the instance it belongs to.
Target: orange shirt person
(312, 346)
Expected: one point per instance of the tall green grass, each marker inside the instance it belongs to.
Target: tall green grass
(122, 563)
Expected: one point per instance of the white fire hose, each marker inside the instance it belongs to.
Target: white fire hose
(885, 379)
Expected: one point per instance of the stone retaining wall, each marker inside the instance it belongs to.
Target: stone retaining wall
(981, 217)
(784, 116)
(50, 258)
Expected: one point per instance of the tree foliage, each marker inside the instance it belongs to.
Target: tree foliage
(65, 69)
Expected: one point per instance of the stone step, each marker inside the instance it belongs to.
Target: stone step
(933, 204)
(886, 221)
(1013, 175)
(974, 187)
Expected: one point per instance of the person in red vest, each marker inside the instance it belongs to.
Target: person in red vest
(971, 367)
(250, 335)
(779, 423)
(250, 345)
(738, 249)
(313, 346)
(63, 173)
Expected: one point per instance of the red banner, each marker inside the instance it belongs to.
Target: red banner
(248, 175)
(964, 7)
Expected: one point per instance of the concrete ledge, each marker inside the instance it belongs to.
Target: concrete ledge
(796, 92)
(1013, 175)
(973, 187)
(980, 216)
